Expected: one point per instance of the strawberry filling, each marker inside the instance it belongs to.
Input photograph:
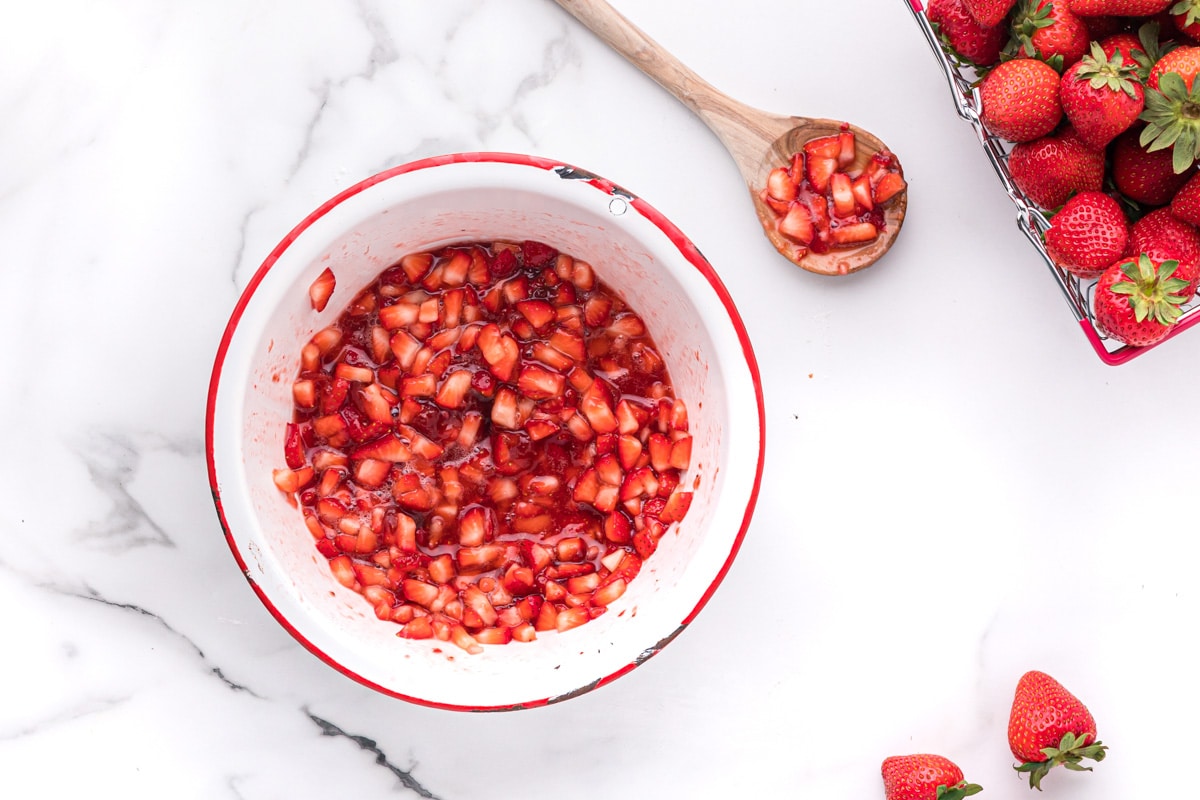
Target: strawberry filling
(820, 203)
(486, 444)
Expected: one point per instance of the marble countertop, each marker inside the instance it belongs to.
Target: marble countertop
(957, 490)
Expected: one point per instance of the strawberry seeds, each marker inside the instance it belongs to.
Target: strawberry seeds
(486, 445)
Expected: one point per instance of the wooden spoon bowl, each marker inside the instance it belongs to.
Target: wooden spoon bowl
(758, 141)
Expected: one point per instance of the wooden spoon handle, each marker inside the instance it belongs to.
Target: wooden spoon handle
(726, 117)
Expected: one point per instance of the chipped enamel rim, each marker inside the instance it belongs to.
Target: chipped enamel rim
(224, 448)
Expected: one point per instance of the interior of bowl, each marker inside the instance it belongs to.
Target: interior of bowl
(366, 230)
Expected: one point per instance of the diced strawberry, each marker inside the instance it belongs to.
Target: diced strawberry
(499, 351)
(842, 192)
(288, 480)
(416, 265)
(644, 544)
(535, 556)
(518, 580)
(586, 486)
(343, 570)
(497, 635)
(846, 150)
(820, 170)
(570, 618)
(504, 409)
(583, 584)
(371, 473)
(453, 390)
(606, 498)
(823, 147)
(304, 393)
(677, 507)
(861, 188)
(419, 592)
(855, 233)
(627, 324)
(477, 601)
(571, 548)
(889, 185)
(399, 315)
(504, 263)
(475, 526)
(293, 446)
(478, 274)
(334, 394)
(524, 632)
(797, 224)
(780, 185)
(659, 446)
(327, 339)
(369, 575)
(618, 528)
(473, 560)
(419, 386)
(376, 404)
(385, 448)
(631, 417)
(596, 405)
(641, 482)
(679, 415)
(609, 469)
(583, 276)
(418, 628)
(608, 593)
(539, 313)
(441, 569)
(569, 344)
(537, 254)
(320, 290)
(629, 450)
(405, 348)
(547, 618)
(539, 429)
(681, 453)
(539, 383)
(464, 640)
(454, 272)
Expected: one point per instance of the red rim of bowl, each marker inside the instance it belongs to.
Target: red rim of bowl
(685, 247)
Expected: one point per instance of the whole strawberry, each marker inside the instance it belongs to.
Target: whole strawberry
(1147, 177)
(1186, 202)
(1186, 16)
(974, 43)
(1049, 170)
(989, 13)
(1172, 112)
(1101, 96)
(1020, 100)
(1088, 234)
(1164, 237)
(924, 777)
(1119, 8)
(1048, 30)
(1136, 302)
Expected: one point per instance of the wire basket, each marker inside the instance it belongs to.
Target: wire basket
(1030, 219)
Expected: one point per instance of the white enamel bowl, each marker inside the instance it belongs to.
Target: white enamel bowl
(482, 197)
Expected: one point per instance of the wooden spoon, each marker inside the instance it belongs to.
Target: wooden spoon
(757, 140)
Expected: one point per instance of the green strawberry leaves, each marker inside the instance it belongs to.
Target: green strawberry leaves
(1191, 8)
(1152, 295)
(1072, 750)
(958, 792)
(1102, 72)
(1172, 119)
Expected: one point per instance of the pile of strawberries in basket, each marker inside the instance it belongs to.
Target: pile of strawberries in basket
(1097, 97)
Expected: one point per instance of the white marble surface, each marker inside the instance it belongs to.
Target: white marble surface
(957, 490)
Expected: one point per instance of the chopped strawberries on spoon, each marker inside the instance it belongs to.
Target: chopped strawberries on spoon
(486, 444)
(820, 202)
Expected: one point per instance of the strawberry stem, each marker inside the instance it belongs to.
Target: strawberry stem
(958, 792)
(1070, 753)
